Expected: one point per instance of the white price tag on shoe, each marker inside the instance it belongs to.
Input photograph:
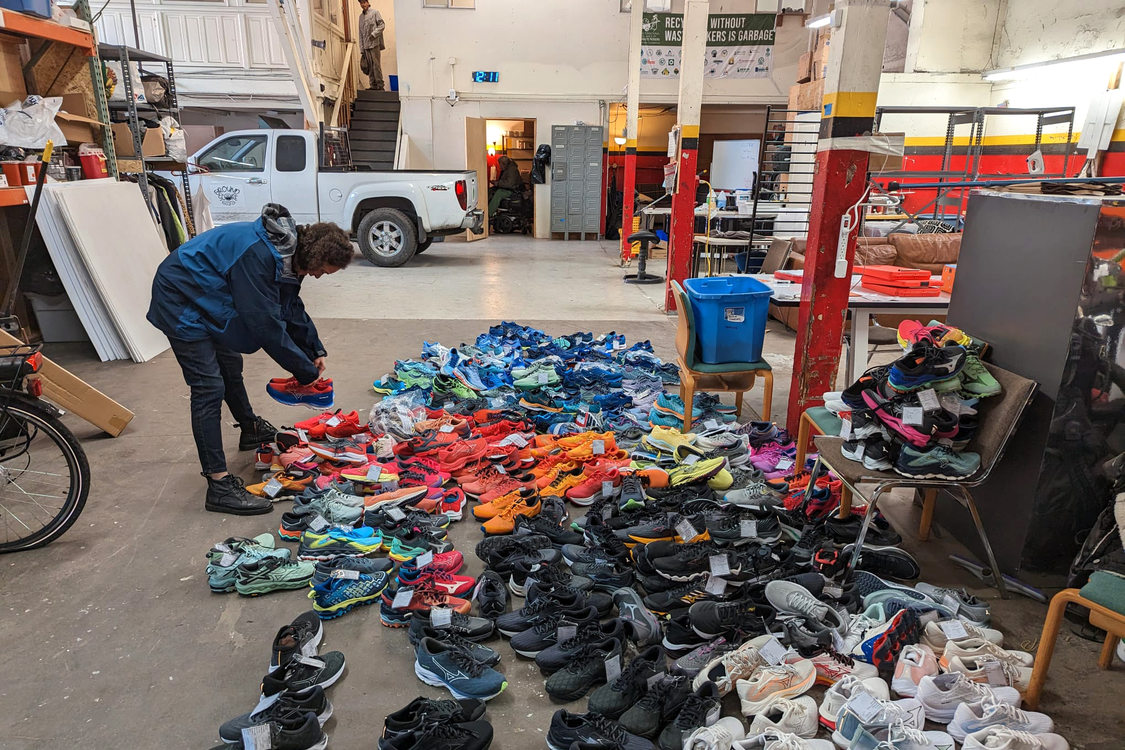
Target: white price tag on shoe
(785, 464)
(656, 679)
(954, 630)
(543, 378)
(351, 575)
(860, 449)
(690, 460)
(597, 447)
(912, 415)
(303, 437)
(994, 670)
(613, 667)
(441, 617)
(333, 421)
(748, 528)
(228, 559)
(395, 514)
(832, 591)
(929, 399)
(686, 531)
(515, 439)
(402, 598)
(710, 424)
(374, 471)
(846, 429)
(772, 651)
(318, 524)
(566, 632)
(864, 706)
(607, 489)
(257, 738)
(446, 428)
(272, 488)
(951, 601)
(581, 418)
(716, 586)
(423, 559)
(720, 566)
(389, 486)
(838, 643)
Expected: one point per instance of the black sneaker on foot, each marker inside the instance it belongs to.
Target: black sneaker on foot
(255, 433)
(229, 495)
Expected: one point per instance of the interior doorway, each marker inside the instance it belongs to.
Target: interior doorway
(511, 211)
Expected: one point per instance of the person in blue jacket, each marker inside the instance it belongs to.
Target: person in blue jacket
(234, 290)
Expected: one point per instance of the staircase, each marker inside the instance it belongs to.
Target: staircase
(374, 128)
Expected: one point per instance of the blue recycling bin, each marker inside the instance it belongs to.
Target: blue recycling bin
(730, 317)
(41, 8)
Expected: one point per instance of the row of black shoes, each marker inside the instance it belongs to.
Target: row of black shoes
(425, 724)
(292, 708)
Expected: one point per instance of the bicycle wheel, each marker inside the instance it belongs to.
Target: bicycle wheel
(44, 477)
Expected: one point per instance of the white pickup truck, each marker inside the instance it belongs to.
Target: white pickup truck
(392, 215)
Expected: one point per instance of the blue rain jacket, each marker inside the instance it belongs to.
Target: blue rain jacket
(236, 285)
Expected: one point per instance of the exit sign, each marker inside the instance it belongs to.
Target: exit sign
(486, 76)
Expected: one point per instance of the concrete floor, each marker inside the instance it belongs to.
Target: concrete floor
(116, 640)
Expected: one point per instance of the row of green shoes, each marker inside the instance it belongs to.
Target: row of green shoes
(253, 567)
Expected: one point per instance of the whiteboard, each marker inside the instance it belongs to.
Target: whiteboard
(734, 163)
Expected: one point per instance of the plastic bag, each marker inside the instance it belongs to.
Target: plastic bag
(31, 123)
(175, 143)
(118, 93)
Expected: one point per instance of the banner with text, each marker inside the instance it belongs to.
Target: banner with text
(738, 45)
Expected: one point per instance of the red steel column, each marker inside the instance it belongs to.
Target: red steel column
(688, 111)
(850, 89)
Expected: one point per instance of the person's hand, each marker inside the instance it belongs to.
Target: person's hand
(321, 365)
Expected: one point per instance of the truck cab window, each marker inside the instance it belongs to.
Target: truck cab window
(291, 153)
(239, 153)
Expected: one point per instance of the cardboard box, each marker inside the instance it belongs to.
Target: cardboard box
(76, 395)
(152, 145)
(75, 122)
(11, 72)
(806, 96)
(804, 68)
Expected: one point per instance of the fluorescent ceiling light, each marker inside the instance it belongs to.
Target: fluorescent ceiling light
(820, 22)
(619, 141)
(1020, 71)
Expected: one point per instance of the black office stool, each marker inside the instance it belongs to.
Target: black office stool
(645, 237)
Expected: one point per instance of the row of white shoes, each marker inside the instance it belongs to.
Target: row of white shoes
(727, 734)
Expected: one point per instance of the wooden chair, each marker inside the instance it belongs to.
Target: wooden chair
(999, 417)
(734, 377)
(1100, 617)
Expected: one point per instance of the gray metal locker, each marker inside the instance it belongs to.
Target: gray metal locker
(576, 176)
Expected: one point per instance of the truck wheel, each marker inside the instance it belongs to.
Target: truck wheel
(387, 237)
(424, 246)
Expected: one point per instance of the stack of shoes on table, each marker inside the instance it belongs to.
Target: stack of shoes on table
(292, 708)
(918, 415)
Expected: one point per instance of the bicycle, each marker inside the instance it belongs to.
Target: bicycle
(44, 472)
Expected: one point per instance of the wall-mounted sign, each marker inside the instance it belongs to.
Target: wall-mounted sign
(738, 46)
(486, 76)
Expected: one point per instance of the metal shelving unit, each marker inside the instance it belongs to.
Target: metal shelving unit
(951, 192)
(126, 55)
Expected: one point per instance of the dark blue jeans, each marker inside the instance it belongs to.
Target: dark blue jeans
(214, 375)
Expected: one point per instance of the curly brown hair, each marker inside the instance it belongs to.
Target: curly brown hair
(321, 245)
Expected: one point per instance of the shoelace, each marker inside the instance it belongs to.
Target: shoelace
(991, 704)
(465, 661)
(607, 728)
(628, 675)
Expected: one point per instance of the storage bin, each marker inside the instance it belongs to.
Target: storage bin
(41, 8)
(730, 317)
(57, 320)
